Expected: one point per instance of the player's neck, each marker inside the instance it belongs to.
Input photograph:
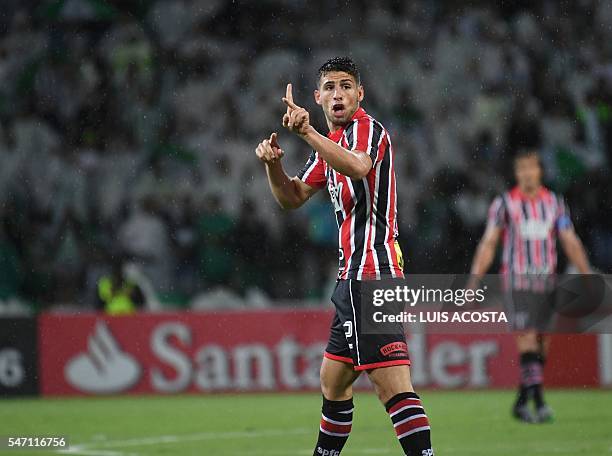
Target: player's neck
(334, 127)
(531, 192)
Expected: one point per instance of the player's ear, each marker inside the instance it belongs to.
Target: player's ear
(317, 96)
(360, 93)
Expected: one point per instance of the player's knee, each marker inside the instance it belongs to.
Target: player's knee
(528, 341)
(390, 382)
(383, 393)
(334, 393)
(334, 390)
(386, 391)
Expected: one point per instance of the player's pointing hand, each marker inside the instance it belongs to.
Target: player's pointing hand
(288, 99)
(269, 151)
(296, 119)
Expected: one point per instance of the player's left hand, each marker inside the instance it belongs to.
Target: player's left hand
(296, 119)
(269, 150)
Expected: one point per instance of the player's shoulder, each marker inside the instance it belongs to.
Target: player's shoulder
(498, 203)
(550, 196)
(512, 194)
(503, 198)
(315, 157)
(361, 117)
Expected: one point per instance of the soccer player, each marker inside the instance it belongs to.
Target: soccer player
(530, 218)
(355, 162)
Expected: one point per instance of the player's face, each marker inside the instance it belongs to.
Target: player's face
(528, 173)
(339, 95)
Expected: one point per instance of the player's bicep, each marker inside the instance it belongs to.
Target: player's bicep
(365, 162)
(567, 235)
(496, 215)
(365, 138)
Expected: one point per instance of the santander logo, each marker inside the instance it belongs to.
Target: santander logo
(104, 368)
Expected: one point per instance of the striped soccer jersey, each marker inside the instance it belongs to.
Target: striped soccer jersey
(366, 209)
(530, 229)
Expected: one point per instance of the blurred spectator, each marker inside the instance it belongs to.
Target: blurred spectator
(131, 125)
(118, 295)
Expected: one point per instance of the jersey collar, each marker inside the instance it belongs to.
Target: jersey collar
(337, 134)
(541, 193)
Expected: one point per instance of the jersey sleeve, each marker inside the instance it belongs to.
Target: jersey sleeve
(313, 172)
(367, 135)
(563, 220)
(497, 213)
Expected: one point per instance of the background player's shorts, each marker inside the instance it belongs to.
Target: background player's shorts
(347, 343)
(530, 310)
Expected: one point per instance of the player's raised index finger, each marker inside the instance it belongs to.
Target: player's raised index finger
(288, 99)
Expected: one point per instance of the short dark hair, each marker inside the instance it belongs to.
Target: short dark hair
(527, 153)
(345, 64)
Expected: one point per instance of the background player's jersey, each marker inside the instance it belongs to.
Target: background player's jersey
(366, 209)
(530, 228)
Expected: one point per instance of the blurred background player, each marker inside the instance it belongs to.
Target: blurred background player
(530, 218)
(355, 162)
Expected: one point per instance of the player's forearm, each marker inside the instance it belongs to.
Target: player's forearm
(577, 256)
(482, 260)
(350, 163)
(282, 187)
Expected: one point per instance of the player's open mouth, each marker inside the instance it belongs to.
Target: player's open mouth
(338, 109)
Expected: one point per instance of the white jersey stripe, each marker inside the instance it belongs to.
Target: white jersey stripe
(349, 261)
(333, 434)
(368, 227)
(414, 431)
(310, 168)
(342, 423)
(405, 407)
(375, 209)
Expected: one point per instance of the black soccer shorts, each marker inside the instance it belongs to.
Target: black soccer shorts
(349, 344)
(530, 310)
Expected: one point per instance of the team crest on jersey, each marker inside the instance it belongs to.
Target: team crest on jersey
(335, 193)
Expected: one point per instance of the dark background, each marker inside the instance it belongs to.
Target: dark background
(128, 129)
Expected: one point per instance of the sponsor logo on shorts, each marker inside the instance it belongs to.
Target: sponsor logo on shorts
(428, 452)
(394, 349)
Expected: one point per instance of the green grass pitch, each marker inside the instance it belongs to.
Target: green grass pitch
(463, 424)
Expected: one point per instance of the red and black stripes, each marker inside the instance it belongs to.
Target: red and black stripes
(408, 417)
(335, 427)
(530, 228)
(366, 209)
(411, 423)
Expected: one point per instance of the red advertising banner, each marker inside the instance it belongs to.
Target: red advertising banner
(270, 350)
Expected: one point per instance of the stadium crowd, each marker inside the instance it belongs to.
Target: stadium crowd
(127, 136)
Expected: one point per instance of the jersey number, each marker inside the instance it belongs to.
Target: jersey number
(348, 332)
